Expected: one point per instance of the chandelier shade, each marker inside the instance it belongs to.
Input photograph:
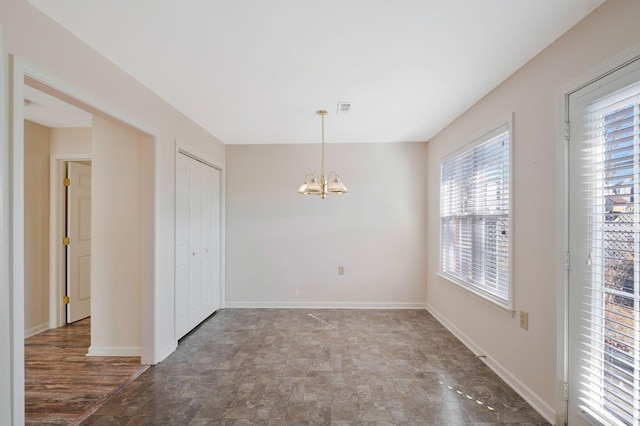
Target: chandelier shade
(322, 183)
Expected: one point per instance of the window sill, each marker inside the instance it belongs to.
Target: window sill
(490, 301)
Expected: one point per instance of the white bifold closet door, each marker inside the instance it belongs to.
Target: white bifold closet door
(197, 242)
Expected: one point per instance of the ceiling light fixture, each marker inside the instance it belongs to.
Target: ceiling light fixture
(319, 184)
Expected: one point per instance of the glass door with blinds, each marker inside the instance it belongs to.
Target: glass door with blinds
(604, 244)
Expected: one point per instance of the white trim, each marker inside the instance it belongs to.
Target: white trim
(497, 128)
(16, 191)
(36, 330)
(325, 305)
(114, 351)
(223, 239)
(562, 214)
(21, 72)
(521, 388)
(56, 216)
(199, 158)
(477, 293)
(149, 253)
(486, 134)
(9, 405)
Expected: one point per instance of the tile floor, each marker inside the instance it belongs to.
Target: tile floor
(318, 367)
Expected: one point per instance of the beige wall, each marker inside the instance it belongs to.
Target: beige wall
(527, 359)
(71, 140)
(284, 249)
(36, 223)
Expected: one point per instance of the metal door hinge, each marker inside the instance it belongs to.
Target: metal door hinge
(565, 391)
(567, 261)
(566, 131)
(66, 241)
(65, 300)
(66, 182)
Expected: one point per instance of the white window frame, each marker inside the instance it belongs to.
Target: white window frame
(502, 125)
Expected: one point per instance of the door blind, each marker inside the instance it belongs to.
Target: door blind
(609, 315)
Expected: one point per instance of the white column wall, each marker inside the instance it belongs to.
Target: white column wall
(115, 240)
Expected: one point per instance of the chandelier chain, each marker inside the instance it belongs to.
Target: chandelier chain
(322, 171)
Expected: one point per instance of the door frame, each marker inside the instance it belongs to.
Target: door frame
(562, 218)
(21, 73)
(9, 404)
(57, 218)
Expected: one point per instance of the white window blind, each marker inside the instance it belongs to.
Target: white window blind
(474, 215)
(610, 319)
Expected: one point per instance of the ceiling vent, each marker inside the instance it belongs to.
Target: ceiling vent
(344, 108)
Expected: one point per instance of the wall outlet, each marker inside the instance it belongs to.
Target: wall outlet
(340, 270)
(524, 320)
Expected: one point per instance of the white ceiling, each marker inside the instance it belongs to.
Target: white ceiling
(49, 111)
(255, 71)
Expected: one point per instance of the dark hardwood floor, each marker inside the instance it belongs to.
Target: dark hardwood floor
(63, 386)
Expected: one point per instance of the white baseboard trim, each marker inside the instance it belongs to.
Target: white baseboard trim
(545, 410)
(35, 330)
(325, 305)
(114, 351)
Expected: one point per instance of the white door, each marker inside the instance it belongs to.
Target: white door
(197, 242)
(79, 246)
(215, 240)
(604, 276)
(206, 240)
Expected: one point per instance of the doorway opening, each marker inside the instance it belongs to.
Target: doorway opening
(55, 135)
(78, 241)
(123, 158)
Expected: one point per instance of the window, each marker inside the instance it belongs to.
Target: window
(475, 219)
(607, 220)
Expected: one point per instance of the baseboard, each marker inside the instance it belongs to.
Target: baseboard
(325, 305)
(114, 351)
(545, 410)
(35, 330)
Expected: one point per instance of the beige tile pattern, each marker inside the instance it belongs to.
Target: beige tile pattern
(318, 367)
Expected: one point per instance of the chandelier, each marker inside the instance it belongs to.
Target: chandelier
(322, 184)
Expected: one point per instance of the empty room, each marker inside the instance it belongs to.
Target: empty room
(338, 213)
